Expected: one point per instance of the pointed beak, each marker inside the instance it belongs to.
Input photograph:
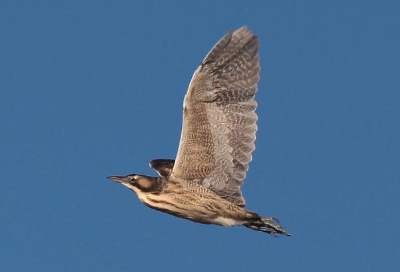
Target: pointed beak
(119, 179)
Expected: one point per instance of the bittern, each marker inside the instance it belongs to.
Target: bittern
(217, 140)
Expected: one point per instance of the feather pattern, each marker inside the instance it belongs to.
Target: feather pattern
(219, 119)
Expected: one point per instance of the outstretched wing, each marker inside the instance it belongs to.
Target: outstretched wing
(162, 166)
(219, 120)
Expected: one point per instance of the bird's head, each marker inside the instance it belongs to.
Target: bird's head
(137, 182)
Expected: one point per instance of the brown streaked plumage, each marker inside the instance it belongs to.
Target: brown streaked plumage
(217, 140)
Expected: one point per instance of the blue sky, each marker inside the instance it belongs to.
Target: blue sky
(94, 88)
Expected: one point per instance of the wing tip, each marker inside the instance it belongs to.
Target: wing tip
(244, 31)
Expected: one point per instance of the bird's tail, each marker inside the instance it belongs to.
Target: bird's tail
(269, 225)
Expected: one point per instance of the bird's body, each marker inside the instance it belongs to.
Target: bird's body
(217, 140)
(194, 202)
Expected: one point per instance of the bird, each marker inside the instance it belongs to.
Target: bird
(216, 144)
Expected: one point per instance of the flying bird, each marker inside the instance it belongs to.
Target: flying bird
(217, 139)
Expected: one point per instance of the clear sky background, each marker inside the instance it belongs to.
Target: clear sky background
(94, 88)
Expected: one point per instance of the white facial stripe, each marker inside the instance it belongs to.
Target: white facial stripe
(130, 186)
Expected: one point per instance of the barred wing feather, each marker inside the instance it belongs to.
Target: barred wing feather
(219, 119)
